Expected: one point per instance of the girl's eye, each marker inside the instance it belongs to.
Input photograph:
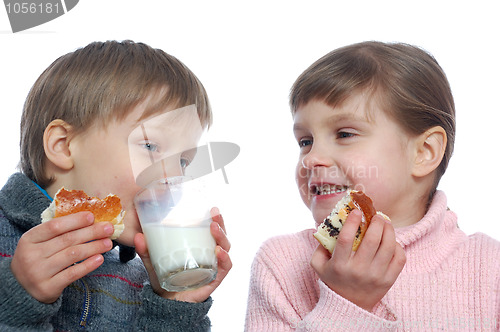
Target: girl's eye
(344, 134)
(303, 142)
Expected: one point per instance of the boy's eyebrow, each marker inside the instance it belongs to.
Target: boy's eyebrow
(297, 127)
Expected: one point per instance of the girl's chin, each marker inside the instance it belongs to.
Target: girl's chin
(319, 214)
(322, 206)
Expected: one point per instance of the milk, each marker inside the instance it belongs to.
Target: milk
(183, 257)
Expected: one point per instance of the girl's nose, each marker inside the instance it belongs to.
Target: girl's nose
(317, 157)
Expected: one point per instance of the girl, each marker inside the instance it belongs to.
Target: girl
(379, 118)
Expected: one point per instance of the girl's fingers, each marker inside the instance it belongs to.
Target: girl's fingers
(387, 246)
(343, 248)
(398, 261)
(319, 259)
(372, 239)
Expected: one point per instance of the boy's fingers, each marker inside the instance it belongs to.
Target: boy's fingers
(143, 252)
(343, 248)
(217, 217)
(78, 253)
(220, 236)
(224, 265)
(78, 271)
(140, 245)
(57, 226)
(93, 232)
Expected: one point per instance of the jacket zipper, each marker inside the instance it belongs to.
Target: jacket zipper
(86, 304)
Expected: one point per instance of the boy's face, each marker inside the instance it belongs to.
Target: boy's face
(109, 160)
(355, 145)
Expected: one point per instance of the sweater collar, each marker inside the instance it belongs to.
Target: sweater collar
(429, 241)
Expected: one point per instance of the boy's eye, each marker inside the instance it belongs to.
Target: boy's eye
(150, 146)
(305, 142)
(185, 162)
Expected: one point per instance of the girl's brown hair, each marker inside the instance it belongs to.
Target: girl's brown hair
(408, 81)
(101, 82)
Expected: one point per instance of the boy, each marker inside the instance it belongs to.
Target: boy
(62, 274)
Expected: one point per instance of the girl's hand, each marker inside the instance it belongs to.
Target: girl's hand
(224, 264)
(45, 260)
(366, 275)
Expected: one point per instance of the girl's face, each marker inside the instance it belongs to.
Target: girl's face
(355, 145)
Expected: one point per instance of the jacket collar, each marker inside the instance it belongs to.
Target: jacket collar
(22, 202)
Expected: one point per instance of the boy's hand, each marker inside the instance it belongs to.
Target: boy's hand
(224, 264)
(45, 257)
(365, 276)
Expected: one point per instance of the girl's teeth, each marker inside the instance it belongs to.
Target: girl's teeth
(326, 189)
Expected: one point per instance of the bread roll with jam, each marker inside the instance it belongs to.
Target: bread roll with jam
(68, 202)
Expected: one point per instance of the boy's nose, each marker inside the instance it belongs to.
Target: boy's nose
(173, 167)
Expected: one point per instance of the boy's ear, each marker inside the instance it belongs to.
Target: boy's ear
(56, 139)
(430, 148)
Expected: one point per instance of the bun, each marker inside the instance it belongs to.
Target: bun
(68, 202)
(328, 231)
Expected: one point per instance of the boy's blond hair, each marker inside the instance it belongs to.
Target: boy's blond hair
(407, 81)
(101, 82)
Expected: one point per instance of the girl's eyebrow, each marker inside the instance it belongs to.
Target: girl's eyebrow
(346, 116)
(337, 117)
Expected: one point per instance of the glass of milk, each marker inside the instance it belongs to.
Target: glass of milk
(175, 218)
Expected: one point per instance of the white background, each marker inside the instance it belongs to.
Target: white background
(248, 55)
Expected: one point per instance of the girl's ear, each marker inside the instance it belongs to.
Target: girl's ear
(430, 148)
(56, 139)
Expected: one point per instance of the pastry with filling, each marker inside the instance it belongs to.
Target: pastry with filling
(329, 229)
(68, 202)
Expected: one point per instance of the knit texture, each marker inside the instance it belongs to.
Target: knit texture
(451, 282)
(115, 297)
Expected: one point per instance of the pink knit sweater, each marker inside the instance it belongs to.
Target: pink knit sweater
(451, 282)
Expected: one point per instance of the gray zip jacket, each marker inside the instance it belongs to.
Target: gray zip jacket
(115, 297)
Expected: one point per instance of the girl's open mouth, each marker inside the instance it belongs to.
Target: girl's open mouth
(327, 189)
